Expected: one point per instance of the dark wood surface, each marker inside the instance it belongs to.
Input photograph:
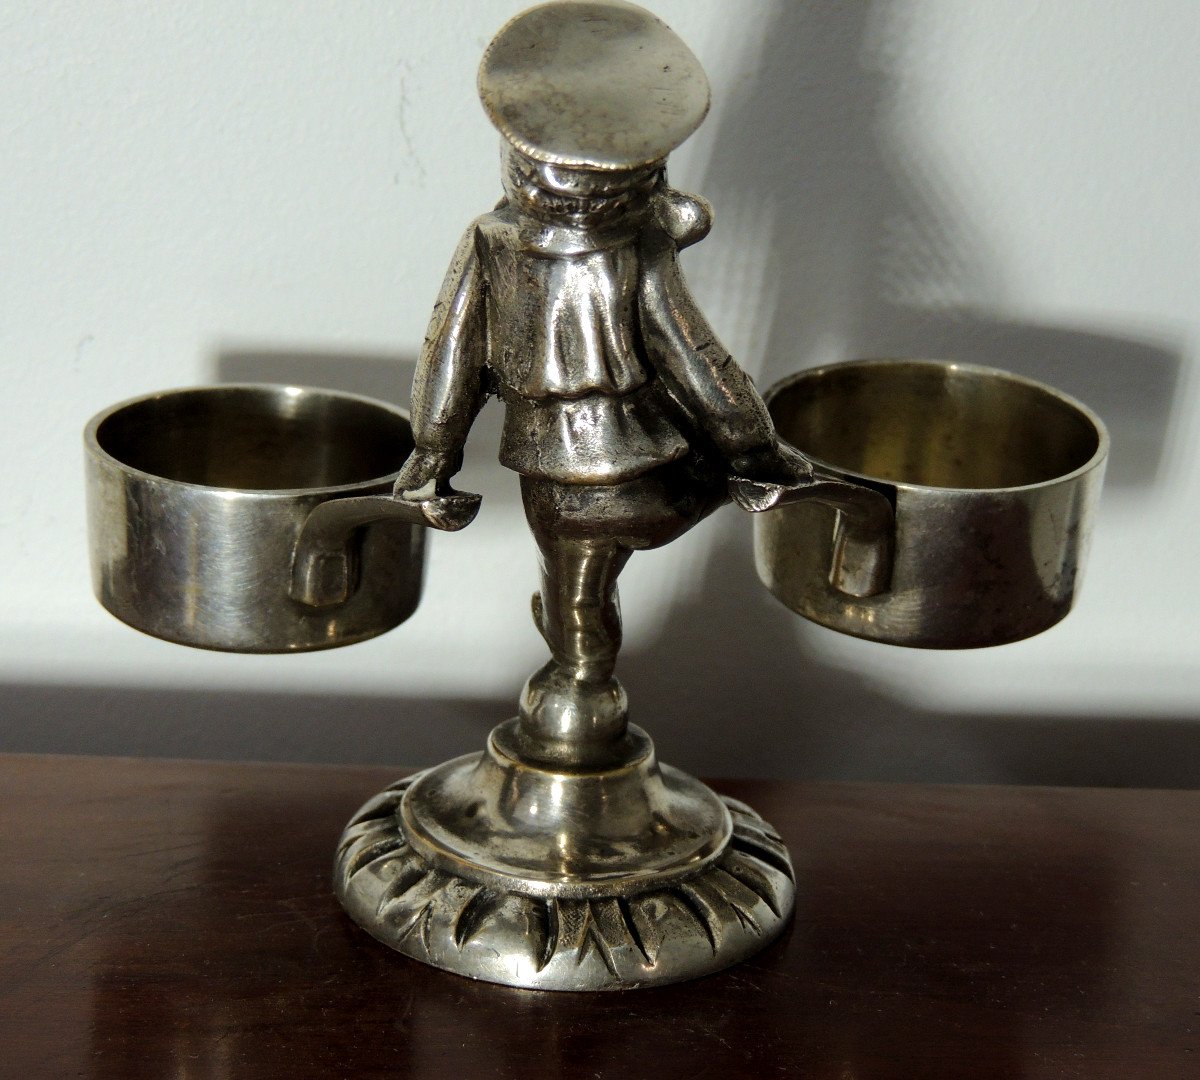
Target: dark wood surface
(174, 920)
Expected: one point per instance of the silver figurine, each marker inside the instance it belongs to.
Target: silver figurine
(564, 856)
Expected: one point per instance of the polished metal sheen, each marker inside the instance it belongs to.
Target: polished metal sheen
(196, 500)
(926, 504)
(994, 479)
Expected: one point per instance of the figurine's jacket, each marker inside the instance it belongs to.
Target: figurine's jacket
(605, 364)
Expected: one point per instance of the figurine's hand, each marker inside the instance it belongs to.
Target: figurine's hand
(427, 469)
(773, 463)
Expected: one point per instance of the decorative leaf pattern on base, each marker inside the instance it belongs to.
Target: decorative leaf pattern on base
(722, 914)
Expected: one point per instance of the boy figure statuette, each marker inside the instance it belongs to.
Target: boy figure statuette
(564, 856)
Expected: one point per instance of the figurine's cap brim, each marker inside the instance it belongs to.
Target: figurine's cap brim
(593, 84)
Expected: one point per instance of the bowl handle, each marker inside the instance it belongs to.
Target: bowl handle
(864, 526)
(326, 557)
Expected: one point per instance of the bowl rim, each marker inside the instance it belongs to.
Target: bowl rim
(96, 451)
(1096, 460)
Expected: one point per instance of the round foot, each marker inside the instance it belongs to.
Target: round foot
(598, 938)
(543, 831)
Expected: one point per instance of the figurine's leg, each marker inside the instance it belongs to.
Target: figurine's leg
(585, 536)
(579, 613)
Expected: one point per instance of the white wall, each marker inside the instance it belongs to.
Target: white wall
(205, 191)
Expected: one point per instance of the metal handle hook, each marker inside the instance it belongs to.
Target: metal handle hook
(325, 562)
(864, 529)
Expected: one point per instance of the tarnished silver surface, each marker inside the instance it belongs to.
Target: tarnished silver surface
(564, 856)
(994, 478)
(196, 499)
(663, 932)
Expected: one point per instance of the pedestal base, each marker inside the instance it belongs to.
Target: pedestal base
(602, 936)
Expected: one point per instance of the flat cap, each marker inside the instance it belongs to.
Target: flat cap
(594, 84)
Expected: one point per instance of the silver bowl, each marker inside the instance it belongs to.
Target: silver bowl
(994, 481)
(197, 498)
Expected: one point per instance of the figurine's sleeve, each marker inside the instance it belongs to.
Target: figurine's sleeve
(449, 387)
(706, 381)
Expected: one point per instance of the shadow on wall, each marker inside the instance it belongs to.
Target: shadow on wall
(223, 725)
(820, 728)
(382, 376)
(867, 245)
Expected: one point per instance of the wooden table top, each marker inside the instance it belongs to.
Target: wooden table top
(174, 920)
